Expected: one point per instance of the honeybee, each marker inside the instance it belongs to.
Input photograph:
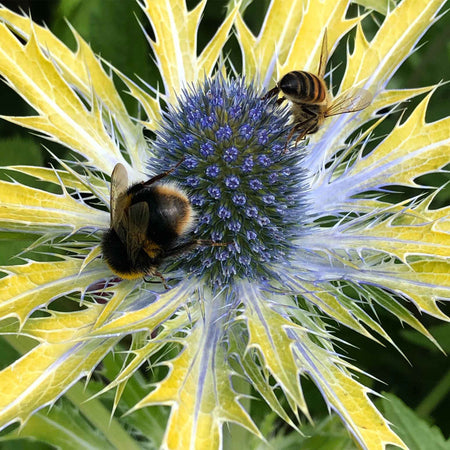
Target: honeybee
(148, 223)
(311, 100)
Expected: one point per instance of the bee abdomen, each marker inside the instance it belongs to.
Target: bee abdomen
(303, 87)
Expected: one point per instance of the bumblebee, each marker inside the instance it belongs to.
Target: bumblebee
(311, 100)
(149, 221)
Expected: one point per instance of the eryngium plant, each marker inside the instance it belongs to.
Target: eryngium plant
(309, 233)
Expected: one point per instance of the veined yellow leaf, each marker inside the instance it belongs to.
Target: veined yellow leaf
(260, 380)
(392, 97)
(34, 285)
(198, 388)
(43, 374)
(412, 149)
(370, 66)
(62, 114)
(289, 33)
(401, 240)
(148, 317)
(83, 70)
(287, 349)
(120, 292)
(304, 53)
(269, 334)
(142, 353)
(210, 54)
(424, 283)
(275, 37)
(176, 42)
(440, 218)
(373, 64)
(62, 176)
(42, 211)
(349, 399)
(414, 215)
(150, 104)
(335, 136)
(62, 327)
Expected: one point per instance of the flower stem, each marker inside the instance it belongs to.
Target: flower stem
(430, 402)
(100, 417)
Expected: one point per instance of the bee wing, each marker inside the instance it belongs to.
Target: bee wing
(353, 99)
(323, 56)
(118, 199)
(138, 217)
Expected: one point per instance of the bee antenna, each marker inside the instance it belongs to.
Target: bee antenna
(164, 174)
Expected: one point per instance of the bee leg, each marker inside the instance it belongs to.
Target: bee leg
(301, 136)
(212, 243)
(164, 174)
(187, 246)
(159, 275)
(294, 129)
(274, 91)
(305, 127)
(182, 248)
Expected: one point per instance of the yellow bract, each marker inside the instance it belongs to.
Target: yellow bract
(81, 70)
(372, 64)
(291, 36)
(23, 207)
(288, 350)
(176, 42)
(412, 149)
(326, 301)
(61, 177)
(426, 283)
(45, 372)
(198, 389)
(62, 326)
(306, 47)
(146, 318)
(34, 285)
(268, 334)
(350, 398)
(402, 240)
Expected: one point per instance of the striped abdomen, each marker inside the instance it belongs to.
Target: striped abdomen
(303, 87)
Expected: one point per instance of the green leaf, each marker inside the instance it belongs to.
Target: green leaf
(440, 332)
(415, 432)
(21, 150)
(327, 434)
(61, 426)
(96, 19)
(381, 6)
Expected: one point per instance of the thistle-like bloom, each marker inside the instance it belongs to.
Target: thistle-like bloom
(306, 231)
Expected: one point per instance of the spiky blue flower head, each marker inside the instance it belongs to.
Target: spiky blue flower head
(247, 188)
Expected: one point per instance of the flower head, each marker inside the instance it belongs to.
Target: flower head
(232, 143)
(290, 233)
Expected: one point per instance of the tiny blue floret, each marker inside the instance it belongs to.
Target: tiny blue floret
(248, 191)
